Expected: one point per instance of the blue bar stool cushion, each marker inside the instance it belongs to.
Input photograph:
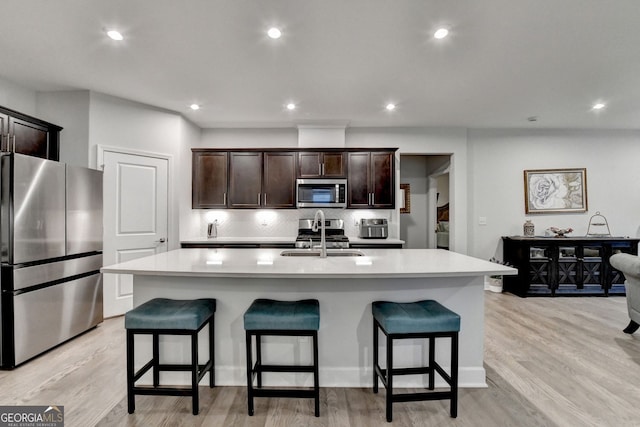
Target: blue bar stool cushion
(163, 313)
(282, 315)
(415, 317)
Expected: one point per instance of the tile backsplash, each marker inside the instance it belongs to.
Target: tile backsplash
(277, 222)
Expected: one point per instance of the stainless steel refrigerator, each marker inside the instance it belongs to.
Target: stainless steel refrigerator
(51, 254)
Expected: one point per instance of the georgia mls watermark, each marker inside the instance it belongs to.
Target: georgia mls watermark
(31, 416)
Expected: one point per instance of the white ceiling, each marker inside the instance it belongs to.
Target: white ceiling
(340, 60)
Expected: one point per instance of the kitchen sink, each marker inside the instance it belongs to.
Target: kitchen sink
(316, 252)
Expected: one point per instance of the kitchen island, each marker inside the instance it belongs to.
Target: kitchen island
(345, 287)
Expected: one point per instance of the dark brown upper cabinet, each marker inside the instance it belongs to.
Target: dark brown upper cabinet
(371, 180)
(209, 179)
(245, 179)
(279, 180)
(262, 179)
(319, 164)
(23, 134)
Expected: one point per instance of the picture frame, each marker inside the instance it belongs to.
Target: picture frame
(405, 198)
(555, 190)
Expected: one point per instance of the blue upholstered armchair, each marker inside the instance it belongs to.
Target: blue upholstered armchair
(630, 266)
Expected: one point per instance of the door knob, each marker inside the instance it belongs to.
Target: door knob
(162, 240)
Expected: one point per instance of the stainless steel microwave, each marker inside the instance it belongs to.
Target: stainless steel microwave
(322, 193)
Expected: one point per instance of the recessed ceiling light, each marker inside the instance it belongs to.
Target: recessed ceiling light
(291, 106)
(274, 33)
(441, 33)
(115, 35)
(390, 107)
(598, 106)
(194, 107)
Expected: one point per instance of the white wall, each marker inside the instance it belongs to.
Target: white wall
(69, 109)
(18, 98)
(496, 183)
(115, 122)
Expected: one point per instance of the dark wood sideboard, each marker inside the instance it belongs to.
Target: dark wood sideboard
(559, 266)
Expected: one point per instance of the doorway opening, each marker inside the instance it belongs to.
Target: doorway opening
(427, 223)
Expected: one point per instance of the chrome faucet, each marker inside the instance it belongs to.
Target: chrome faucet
(323, 241)
(212, 229)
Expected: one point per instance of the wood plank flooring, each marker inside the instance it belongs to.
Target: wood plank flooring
(549, 361)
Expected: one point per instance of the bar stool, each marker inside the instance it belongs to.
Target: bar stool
(266, 317)
(420, 319)
(161, 316)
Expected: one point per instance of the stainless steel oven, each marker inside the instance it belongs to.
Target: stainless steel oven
(322, 193)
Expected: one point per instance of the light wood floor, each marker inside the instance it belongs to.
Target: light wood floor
(550, 362)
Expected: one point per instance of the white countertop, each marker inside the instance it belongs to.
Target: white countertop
(263, 263)
(230, 240)
(266, 240)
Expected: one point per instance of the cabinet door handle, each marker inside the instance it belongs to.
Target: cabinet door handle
(373, 199)
(319, 168)
(265, 199)
(322, 169)
(224, 199)
(258, 199)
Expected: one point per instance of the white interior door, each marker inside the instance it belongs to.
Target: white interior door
(135, 218)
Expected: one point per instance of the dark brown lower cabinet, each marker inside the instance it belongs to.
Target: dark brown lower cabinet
(553, 266)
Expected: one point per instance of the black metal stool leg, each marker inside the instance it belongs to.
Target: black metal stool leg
(194, 373)
(389, 378)
(375, 356)
(316, 381)
(131, 398)
(454, 375)
(249, 375)
(156, 359)
(259, 359)
(212, 353)
(432, 359)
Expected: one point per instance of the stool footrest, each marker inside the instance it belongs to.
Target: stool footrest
(415, 397)
(283, 368)
(173, 367)
(283, 392)
(163, 390)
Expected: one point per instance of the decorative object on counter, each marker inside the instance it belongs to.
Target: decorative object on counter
(528, 229)
(560, 232)
(555, 190)
(405, 198)
(212, 229)
(597, 225)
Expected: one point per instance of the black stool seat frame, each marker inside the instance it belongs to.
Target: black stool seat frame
(197, 371)
(386, 375)
(255, 370)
